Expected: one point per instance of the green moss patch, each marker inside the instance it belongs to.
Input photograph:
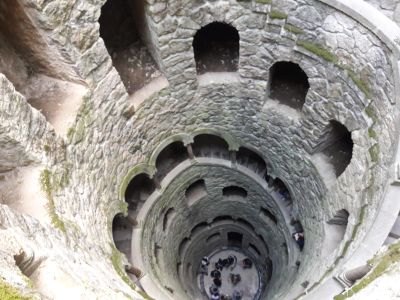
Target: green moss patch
(362, 85)
(319, 51)
(274, 14)
(264, 1)
(47, 188)
(8, 292)
(330, 57)
(380, 266)
(293, 29)
(374, 153)
(372, 133)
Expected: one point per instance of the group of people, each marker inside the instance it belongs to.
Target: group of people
(229, 262)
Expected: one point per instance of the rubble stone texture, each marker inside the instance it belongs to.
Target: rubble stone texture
(350, 52)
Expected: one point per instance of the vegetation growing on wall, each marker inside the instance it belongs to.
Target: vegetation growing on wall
(380, 265)
(319, 51)
(330, 57)
(275, 14)
(8, 292)
(47, 188)
(293, 29)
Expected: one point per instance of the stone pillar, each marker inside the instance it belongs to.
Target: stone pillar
(232, 156)
(157, 183)
(134, 271)
(132, 220)
(190, 151)
(357, 273)
(351, 276)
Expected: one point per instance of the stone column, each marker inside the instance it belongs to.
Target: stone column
(232, 156)
(351, 276)
(190, 151)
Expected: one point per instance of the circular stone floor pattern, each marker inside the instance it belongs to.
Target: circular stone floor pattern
(249, 284)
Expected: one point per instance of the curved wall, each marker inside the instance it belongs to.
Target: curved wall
(352, 74)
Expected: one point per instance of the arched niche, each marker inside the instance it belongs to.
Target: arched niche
(267, 216)
(125, 33)
(235, 239)
(234, 192)
(282, 191)
(251, 160)
(208, 145)
(216, 48)
(138, 190)
(288, 84)
(122, 234)
(171, 156)
(195, 192)
(168, 217)
(337, 146)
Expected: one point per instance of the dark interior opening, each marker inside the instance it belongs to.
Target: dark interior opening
(138, 190)
(122, 234)
(288, 84)
(199, 227)
(208, 145)
(338, 146)
(121, 23)
(234, 192)
(222, 219)
(283, 192)
(216, 48)
(169, 158)
(195, 191)
(267, 215)
(341, 217)
(251, 160)
(254, 250)
(235, 239)
(168, 216)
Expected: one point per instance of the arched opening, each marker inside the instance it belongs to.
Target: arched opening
(267, 215)
(338, 146)
(169, 158)
(254, 250)
(138, 190)
(216, 48)
(122, 234)
(168, 216)
(298, 234)
(340, 218)
(208, 145)
(221, 219)
(232, 192)
(235, 239)
(198, 228)
(124, 29)
(213, 238)
(245, 223)
(196, 191)
(283, 192)
(288, 84)
(251, 160)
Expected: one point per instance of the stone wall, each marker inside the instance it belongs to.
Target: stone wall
(351, 77)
